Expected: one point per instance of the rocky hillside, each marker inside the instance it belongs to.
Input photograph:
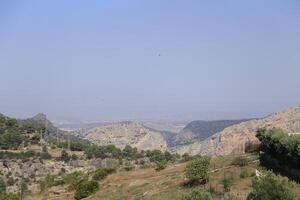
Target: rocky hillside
(200, 130)
(126, 133)
(233, 139)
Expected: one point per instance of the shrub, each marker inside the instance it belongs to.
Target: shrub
(161, 165)
(186, 157)
(9, 196)
(271, 186)
(47, 182)
(65, 156)
(11, 181)
(74, 157)
(102, 173)
(244, 173)
(2, 187)
(128, 166)
(227, 182)
(197, 170)
(85, 189)
(198, 195)
(240, 161)
(73, 179)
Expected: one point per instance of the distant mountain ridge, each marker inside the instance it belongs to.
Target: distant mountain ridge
(198, 130)
(232, 139)
(125, 133)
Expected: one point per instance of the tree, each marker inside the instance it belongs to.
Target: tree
(198, 195)
(85, 189)
(271, 186)
(197, 169)
(186, 157)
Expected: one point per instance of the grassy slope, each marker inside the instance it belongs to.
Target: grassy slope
(167, 184)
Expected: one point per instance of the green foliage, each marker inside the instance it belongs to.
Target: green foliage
(13, 133)
(65, 156)
(244, 173)
(186, 157)
(73, 179)
(155, 155)
(109, 151)
(102, 173)
(198, 195)
(197, 169)
(240, 161)
(281, 151)
(128, 166)
(160, 165)
(227, 182)
(2, 187)
(74, 156)
(85, 189)
(270, 186)
(11, 139)
(11, 181)
(21, 155)
(47, 182)
(9, 196)
(129, 152)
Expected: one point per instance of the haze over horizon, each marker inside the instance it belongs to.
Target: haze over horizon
(82, 61)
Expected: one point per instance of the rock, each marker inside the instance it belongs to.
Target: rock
(128, 133)
(232, 139)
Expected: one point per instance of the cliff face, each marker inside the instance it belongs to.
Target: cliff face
(232, 139)
(129, 133)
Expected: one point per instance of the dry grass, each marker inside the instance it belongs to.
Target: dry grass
(168, 184)
(147, 184)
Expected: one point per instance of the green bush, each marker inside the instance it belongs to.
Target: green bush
(161, 165)
(11, 181)
(73, 179)
(270, 186)
(198, 195)
(2, 187)
(128, 166)
(281, 152)
(244, 173)
(227, 182)
(186, 157)
(9, 196)
(85, 189)
(65, 156)
(197, 169)
(102, 173)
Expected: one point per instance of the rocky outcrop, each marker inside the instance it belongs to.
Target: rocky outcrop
(233, 139)
(127, 133)
(33, 170)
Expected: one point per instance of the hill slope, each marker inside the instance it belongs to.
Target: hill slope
(200, 130)
(126, 133)
(233, 139)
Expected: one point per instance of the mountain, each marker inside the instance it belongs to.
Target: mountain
(126, 133)
(232, 139)
(198, 130)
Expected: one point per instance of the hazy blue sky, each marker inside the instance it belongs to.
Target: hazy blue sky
(114, 60)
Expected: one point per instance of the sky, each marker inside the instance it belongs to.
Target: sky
(80, 61)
